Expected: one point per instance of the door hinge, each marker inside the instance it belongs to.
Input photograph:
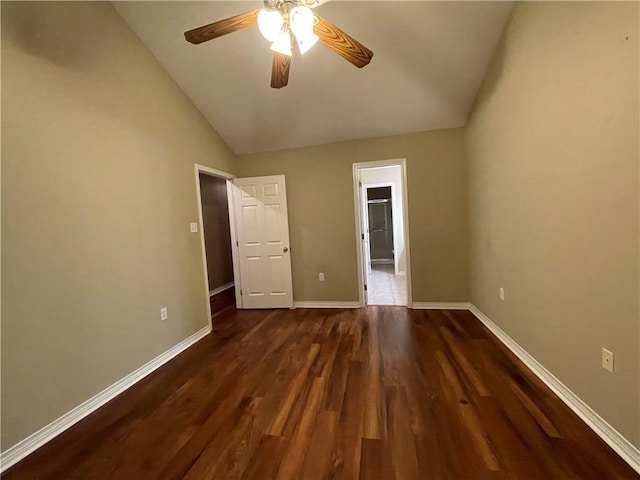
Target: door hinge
(365, 288)
(241, 292)
(237, 244)
(360, 184)
(363, 236)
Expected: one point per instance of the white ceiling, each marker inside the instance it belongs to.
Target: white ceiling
(429, 61)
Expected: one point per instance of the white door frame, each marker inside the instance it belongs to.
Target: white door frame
(357, 200)
(212, 172)
(366, 240)
(394, 212)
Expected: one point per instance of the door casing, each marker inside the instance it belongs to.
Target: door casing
(358, 206)
(201, 169)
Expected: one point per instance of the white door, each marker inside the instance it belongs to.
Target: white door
(262, 227)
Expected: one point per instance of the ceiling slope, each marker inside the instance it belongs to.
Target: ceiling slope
(429, 61)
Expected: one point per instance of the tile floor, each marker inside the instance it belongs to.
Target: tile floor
(386, 288)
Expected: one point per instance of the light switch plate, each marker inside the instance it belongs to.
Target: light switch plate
(193, 227)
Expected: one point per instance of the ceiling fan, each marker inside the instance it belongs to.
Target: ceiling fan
(287, 23)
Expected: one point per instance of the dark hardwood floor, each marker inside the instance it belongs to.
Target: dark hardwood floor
(375, 393)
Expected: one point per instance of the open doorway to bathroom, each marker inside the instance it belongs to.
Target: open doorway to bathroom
(382, 231)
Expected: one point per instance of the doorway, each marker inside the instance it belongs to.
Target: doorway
(216, 237)
(380, 190)
(258, 236)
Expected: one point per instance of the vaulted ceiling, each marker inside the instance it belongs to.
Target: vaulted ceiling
(429, 61)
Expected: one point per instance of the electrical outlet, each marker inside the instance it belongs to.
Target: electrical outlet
(163, 313)
(607, 360)
(501, 293)
(321, 277)
(193, 227)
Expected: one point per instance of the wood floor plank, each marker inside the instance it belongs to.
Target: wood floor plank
(265, 462)
(534, 410)
(400, 438)
(318, 461)
(374, 416)
(293, 391)
(350, 427)
(374, 463)
(480, 438)
(337, 381)
(467, 368)
(299, 443)
(372, 393)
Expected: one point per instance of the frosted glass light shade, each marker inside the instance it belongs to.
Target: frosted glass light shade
(307, 42)
(270, 23)
(282, 43)
(301, 21)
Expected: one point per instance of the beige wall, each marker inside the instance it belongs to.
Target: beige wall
(217, 234)
(98, 189)
(322, 217)
(554, 197)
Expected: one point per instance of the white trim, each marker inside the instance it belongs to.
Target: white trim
(405, 234)
(440, 305)
(402, 163)
(235, 250)
(326, 304)
(610, 435)
(362, 272)
(220, 289)
(34, 441)
(213, 172)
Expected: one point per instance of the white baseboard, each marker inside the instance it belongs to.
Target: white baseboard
(220, 289)
(440, 305)
(34, 441)
(610, 435)
(329, 304)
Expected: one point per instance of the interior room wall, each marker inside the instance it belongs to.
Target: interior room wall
(217, 234)
(322, 212)
(553, 149)
(392, 174)
(98, 190)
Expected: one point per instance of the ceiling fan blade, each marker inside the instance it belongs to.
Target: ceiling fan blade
(343, 44)
(223, 27)
(280, 70)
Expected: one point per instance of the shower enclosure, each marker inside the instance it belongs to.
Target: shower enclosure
(380, 214)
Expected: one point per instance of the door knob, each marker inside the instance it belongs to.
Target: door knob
(285, 249)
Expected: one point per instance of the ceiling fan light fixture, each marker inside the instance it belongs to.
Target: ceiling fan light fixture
(279, 22)
(305, 44)
(282, 43)
(301, 21)
(270, 24)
